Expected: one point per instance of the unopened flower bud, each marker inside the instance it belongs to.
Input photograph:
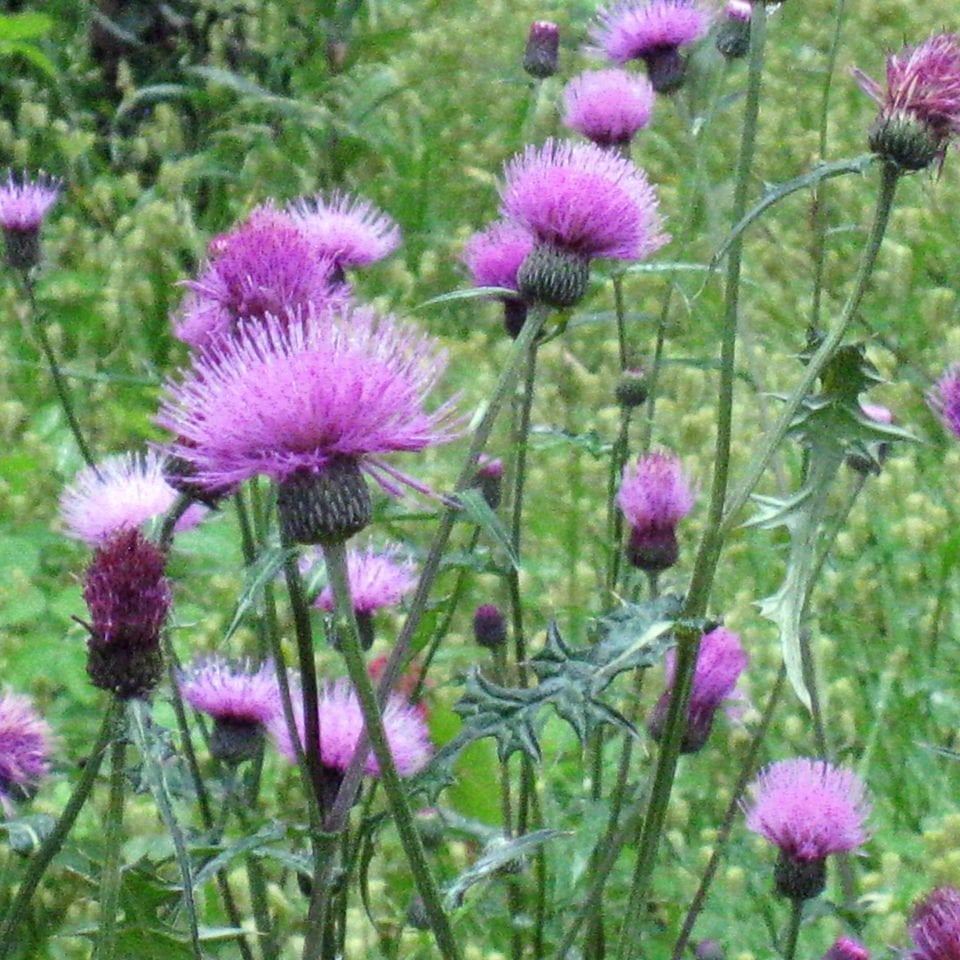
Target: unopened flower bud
(489, 480)
(542, 54)
(709, 950)
(631, 390)
(489, 627)
(733, 32)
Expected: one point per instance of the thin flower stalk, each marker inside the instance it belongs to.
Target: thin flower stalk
(110, 876)
(350, 647)
(708, 554)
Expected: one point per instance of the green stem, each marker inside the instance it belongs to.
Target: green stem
(792, 933)
(59, 382)
(508, 378)
(110, 877)
(351, 650)
(730, 816)
(655, 368)
(51, 846)
(889, 178)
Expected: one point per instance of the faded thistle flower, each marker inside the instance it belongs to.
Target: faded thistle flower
(270, 264)
(846, 948)
(312, 401)
(23, 205)
(378, 578)
(608, 107)
(349, 230)
(934, 926)
(494, 256)
(120, 493)
(720, 661)
(341, 723)
(128, 597)
(24, 749)
(652, 31)
(541, 56)
(579, 202)
(241, 700)
(655, 495)
(808, 809)
(944, 398)
(920, 108)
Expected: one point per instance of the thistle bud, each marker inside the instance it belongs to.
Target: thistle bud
(542, 54)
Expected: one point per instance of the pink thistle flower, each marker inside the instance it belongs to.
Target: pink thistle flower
(407, 684)
(309, 397)
(652, 31)
(128, 597)
(720, 661)
(944, 398)
(809, 810)
(494, 257)
(23, 205)
(655, 495)
(349, 230)
(120, 493)
(920, 109)
(608, 106)
(846, 948)
(579, 202)
(24, 748)
(934, 926)
(269, 264)
(341, 724)
(240, 700)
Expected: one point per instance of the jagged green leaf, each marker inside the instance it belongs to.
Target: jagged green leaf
(499, 854)
(262, 571)
(476, 508)
(270, 833)
(26, 834)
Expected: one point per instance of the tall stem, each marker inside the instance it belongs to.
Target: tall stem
(351, 649)
(792, 933)
(51, 846)
(110, 877)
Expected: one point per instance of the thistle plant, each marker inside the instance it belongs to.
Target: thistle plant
(441, 738)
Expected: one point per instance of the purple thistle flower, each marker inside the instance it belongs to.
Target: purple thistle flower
(494, 257)
(944, 398)
(608, 106)
(934, 926)
(349, 230)
(23, 205)
(269, 264)
(920, 108)
(655, 495)
(846, 948)
(378, 578)
(809, 810)
(120, 493)
(24, 748)
(128, 597)
(720, 661)
(541, 56)
(652, 31)
(341, 723)
(241, 701)
(309, 398)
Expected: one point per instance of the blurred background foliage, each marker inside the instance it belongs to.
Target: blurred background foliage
(168, 122)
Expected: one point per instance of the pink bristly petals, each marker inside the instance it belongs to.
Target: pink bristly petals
(846, 948)
(633, 29)
(378, 578)
(25, 741)
(349, 230)
(944, 398)
(493, 256)
(934, 926)
(297, 394)
(608, 106)
(232, 691)
(24, 202)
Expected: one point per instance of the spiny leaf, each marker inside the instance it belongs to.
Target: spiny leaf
(478, 510)
(499, 853)
(262, 571)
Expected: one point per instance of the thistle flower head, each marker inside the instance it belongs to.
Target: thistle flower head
(934, 926)
(298, 396)
(733, 31)
(378, 578)
(944, 398)
(489, 626)
(493, 256)
(846, 948)
(542, 53)
(809, 810)
(269, 264)
(128, 597)
(608, 106)
(721, 660)
(23, 205)
(920, 108)
(120, 493)
(349, 230)
(24, 748)
(583, 200)
(655, 495)
(231, 691)
(341, 724)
